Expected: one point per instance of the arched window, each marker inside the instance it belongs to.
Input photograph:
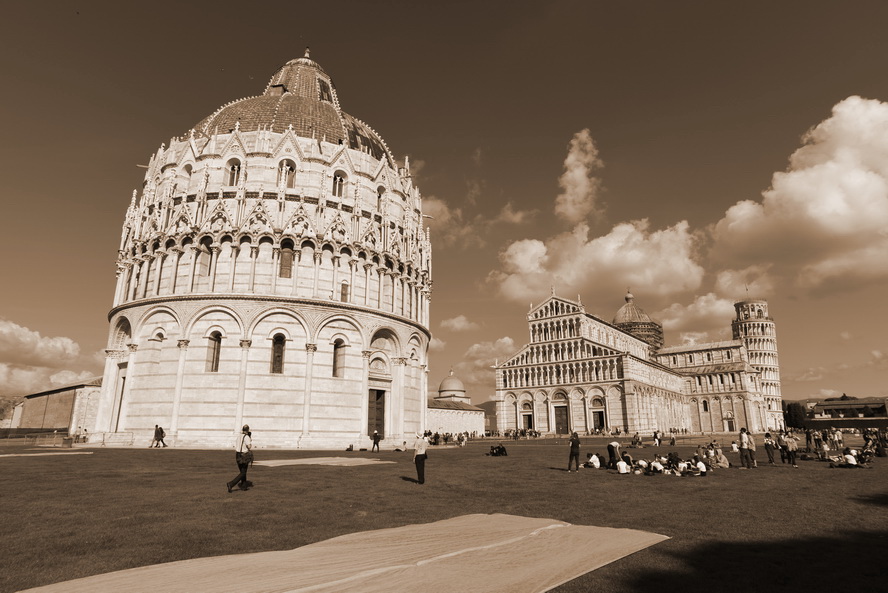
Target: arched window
(288, 174)
(339, 358)
(285, 269)
(214, 350)
(277, 353)
(204, 255)
(343, 293)
(338, 184)
(232, 169)
(705, 406)
(380, 191)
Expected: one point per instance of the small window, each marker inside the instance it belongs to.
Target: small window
(288, 174)
(705, 406)
(343, 293)
(380, 191)
(233, 168)
(277, 354)
(214, 350)
(285, 269)
(338, 184)
(339, 358)
(709, 357)
(728, 355)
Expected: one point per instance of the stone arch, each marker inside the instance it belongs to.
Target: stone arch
(203, 313)
(146, 319)
(387, 337)
(122, 334)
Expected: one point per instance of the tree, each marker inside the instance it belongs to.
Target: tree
(794, 415)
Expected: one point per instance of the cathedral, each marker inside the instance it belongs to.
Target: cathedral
(273, 271)
(581, 373)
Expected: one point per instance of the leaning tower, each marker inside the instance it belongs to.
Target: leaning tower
(758, 332)
(272, 271)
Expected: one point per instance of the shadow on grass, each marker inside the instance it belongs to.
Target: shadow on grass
(850, 562)
(879, 499)
(409, 479)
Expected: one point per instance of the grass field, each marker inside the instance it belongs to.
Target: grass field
(811, 528)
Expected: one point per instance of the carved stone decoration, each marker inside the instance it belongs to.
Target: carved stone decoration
(182, 344)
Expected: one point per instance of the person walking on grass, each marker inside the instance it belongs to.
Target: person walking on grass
(769, 448)
(376, 439)
(419, 457)
(574, 452)
(243, 455)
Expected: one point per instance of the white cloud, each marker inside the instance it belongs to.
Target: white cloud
(478, 360)
(755, 281)
(20, 345)
(824, 222)
(436, 344)
(707, 313)
(660, 263)
(846, 335)
(460, 323)
(452, 227)
(69, 377)
(580, 187)
(809, 374)
(878, 359)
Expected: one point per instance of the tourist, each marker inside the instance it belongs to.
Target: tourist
(159, 435)
(752, 449)
(613, 454)
(781, 445)
(792, 446)
(699, 467)
(593, 461)
(720, 460)
(420, 456)
(376, 438)
(770, 445)
(622, 466)
(671, 439)
(745, 458)
(574, 451)
(243, 456)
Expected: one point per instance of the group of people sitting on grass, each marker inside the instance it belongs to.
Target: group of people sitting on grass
(671, 464)
(852, 458)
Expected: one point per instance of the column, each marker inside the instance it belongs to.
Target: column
(294, 284)
(317, 269)
(232, 270)
(193, 268)
(336, 288)
(159, 257)
(242, 385)
(105, 411)
(365, 390)
(379, 291)
(180, 379)
(174, 272)
(133, 281)
(130, 376)
(275, 267)
(214, 259)
(306, 398)
(352, 264)
(367, 284)
(254, 255)
(395, 404)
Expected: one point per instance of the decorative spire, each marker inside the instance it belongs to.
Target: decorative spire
(307, 52)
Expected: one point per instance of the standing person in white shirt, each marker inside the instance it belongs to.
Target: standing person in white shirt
(243, 455)
(419, 457)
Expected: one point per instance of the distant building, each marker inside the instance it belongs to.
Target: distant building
(579, 372)
(68, 409)
(452, 410)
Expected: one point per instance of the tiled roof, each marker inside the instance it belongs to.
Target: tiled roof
(446, 404)
(699, 347)
(301, 95)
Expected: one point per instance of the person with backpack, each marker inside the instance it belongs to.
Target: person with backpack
(243, 455)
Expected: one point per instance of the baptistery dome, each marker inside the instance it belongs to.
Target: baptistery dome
(274, 271)
(302, 97)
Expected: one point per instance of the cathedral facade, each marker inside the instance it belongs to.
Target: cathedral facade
(581, 373)
(273, 271)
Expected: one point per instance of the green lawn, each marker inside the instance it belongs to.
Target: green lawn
(811, 528)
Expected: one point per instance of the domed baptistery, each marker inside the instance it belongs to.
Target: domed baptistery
(274, 272)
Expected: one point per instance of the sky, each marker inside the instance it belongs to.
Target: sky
(697, 153)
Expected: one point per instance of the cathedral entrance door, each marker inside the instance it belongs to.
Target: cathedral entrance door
(376, 412)
(561, 426)
(527, 421)
(597, 419)
(730, 424)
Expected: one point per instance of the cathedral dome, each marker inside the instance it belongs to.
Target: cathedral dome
(302, 95)
(631, 318)
(451, 383)
(631, 313)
